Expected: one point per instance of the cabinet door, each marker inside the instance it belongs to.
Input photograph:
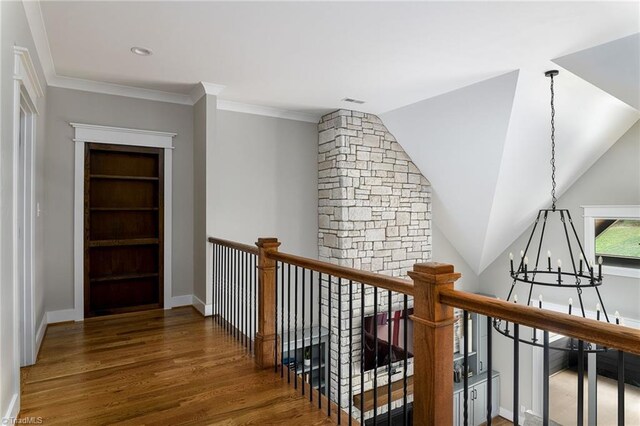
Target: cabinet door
(479, 403)
(482, 325)
(495, 397)
(482, 354)
(469, 409)
(456, 409)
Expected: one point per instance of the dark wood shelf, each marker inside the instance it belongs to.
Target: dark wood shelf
(397, 392)
(123, 209)
(123, 177)
(127, 309)
(124, 277)
(127, 242)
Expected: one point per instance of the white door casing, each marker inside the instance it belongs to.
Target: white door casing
(90, 133)
(26, 91)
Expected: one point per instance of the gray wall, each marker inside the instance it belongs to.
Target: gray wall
(66, 106)
(204, 128)
(14, 30)
(444, 252)
(613, 180)
(265, 181)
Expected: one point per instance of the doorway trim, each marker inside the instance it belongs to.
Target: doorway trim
(26, 91)
(91, 133)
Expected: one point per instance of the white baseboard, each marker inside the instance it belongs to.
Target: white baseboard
(13, 409)
(42, 328)
(503, 412)
(205, 310)
(185, 300)
(507, 414)
(62, 316)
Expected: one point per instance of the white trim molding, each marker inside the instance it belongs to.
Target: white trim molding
(13, 409)
(203, 308)
(267, 111)
(26, 91)
(204, 88)
(90, 133)
(25, 72)
(121, 136)
(591, 213)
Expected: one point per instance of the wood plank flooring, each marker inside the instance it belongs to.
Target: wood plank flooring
(158, 368)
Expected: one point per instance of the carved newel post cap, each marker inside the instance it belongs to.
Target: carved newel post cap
(268, 242)
(433, 268)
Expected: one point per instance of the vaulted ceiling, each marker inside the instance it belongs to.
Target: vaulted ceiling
(460, 84)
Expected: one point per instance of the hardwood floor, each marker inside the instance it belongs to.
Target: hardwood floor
(156, 367)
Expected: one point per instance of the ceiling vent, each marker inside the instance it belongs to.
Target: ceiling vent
(353, 101)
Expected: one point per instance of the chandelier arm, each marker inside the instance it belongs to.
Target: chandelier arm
(533, 275)
(513, 284)
(526, 248)
(602, 304)
(579, 243)
(579, 291)
(539, 345)
(566, 233)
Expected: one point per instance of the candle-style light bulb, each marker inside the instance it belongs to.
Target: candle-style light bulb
(515, 298)
(526, 260)
(600, 267)
(511, 262)
(598, 311)
(570, 305)
(540, 301)
(581, 260)
(521, 253)
(559, 272)
(549, 259)
(617, 315)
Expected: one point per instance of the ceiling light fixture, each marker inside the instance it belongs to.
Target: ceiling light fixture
(141, 51)
(353, 101)
(535, 269)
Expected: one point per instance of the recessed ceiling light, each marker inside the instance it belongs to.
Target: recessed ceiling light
(142, 51)
(353, 101)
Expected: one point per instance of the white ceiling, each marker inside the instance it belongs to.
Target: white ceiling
(460, 84)
(308, 56)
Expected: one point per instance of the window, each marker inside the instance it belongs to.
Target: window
(613, 233)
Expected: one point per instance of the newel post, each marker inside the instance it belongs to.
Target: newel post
(266, 337)
(432, 344)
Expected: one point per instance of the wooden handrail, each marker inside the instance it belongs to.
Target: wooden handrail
(232, 244)
(377, 280)
(602, 333)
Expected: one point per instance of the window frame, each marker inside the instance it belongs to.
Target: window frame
(591, 213)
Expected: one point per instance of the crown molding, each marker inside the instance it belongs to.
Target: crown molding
(35, 20)
(267, 111)
(203, 88)
(119, 90)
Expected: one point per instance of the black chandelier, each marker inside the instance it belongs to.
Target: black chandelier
(538, 272)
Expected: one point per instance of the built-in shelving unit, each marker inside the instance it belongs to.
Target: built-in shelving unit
(123, 229)
(294, 347)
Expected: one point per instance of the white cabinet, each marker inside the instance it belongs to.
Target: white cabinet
(477, 402)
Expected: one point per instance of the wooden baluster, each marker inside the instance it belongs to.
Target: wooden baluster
(432, 344)
(266, 337)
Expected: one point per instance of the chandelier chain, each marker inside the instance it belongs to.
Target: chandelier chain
(553, 149)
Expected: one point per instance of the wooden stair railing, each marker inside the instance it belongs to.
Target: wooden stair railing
(434, 297)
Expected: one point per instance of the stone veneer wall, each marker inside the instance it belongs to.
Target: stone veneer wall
(374, 214)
